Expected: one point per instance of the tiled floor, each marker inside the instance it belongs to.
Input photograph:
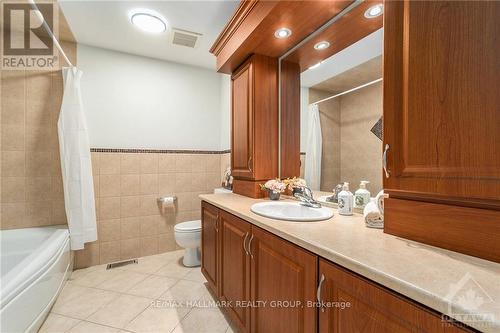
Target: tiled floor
(157, 295)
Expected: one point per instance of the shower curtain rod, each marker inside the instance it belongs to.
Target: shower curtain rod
(51, 34)
(347, 91)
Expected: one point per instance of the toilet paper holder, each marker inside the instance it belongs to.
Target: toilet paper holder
(167, 200)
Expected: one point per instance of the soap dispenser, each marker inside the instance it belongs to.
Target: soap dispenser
(346, 200)
(362, 195)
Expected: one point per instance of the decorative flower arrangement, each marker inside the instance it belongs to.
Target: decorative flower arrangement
(275, 187)
(294, 182)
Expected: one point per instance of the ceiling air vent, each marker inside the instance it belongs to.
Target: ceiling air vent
(184, 37)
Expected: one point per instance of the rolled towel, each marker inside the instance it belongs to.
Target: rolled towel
(379, 200)
(373, 217)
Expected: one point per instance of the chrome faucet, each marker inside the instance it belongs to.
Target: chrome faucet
(306, 198)
(335, 197)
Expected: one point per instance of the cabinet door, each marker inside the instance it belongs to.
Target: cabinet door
(441, 101)
(235, 268)
(210, 244)
(352, 304)
(284, 276)
(242, 122)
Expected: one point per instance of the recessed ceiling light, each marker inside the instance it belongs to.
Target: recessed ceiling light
(315, 66)
(374, 11)
(322, 45)
(282, 33)
(148, 20)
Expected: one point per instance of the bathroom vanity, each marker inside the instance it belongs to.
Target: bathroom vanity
(390, 284)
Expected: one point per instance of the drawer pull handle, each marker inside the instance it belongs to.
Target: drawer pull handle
(249, 164)
(318, 292)
(384, 161)
(250, 246)
(245, 243)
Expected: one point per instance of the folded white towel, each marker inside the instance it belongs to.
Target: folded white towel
(373, 217)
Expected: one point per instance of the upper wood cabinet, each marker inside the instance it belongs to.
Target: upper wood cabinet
(442, 123)
(441, 100)
(254, 141)
(210, 245)
(242, 111)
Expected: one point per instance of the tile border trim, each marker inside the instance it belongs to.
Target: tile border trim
(157, 151)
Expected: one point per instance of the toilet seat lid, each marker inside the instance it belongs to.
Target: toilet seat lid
(188, 226)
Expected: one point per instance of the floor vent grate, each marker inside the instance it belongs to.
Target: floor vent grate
(122, 263)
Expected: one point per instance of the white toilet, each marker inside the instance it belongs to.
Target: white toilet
(188, 235)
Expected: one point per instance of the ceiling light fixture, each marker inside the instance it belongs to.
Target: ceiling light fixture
(322, 45)
(282, 33)
(148, 20)
(374, 11)
(315, 66)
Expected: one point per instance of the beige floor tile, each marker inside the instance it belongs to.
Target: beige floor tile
(122, 281)
(93, 278)
(175, 269)
(121, 311)
(184, 291)
(157, 320)
(201, 320)
(172, 255)
(152, 287)
(195, 275)
(57, 324)
(87, 327)
(85, 303)
(207, 298)
(70, 291)
(146, 265)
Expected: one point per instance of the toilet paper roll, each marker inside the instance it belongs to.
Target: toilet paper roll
(167, 204)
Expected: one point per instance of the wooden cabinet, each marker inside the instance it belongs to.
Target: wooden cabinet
(265, 280)
(442, 123)
(210, 245)
(282, 272)
(235, 268)
(254, 140)
(272, 285)
(242, 87)
(353, 304)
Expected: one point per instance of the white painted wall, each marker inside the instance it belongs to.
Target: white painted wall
(225, 133)
(137, 102)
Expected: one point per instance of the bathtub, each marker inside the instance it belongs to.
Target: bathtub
(34, 264)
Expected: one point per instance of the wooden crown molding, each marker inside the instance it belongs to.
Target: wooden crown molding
(239, 16)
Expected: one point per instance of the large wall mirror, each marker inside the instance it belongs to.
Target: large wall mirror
(333, 79)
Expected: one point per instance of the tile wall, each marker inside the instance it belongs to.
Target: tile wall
(31, 187)
(127, 185)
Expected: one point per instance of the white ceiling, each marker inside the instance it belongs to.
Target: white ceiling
(106, 24)
(360, 52)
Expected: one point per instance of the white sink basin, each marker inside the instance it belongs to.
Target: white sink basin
(291, 211)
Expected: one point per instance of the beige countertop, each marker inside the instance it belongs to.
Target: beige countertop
(431, 276)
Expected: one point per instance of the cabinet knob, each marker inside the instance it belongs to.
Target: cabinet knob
(384, 161)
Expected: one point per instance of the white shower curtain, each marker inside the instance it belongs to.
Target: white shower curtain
(76, 164)
(312, 172)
